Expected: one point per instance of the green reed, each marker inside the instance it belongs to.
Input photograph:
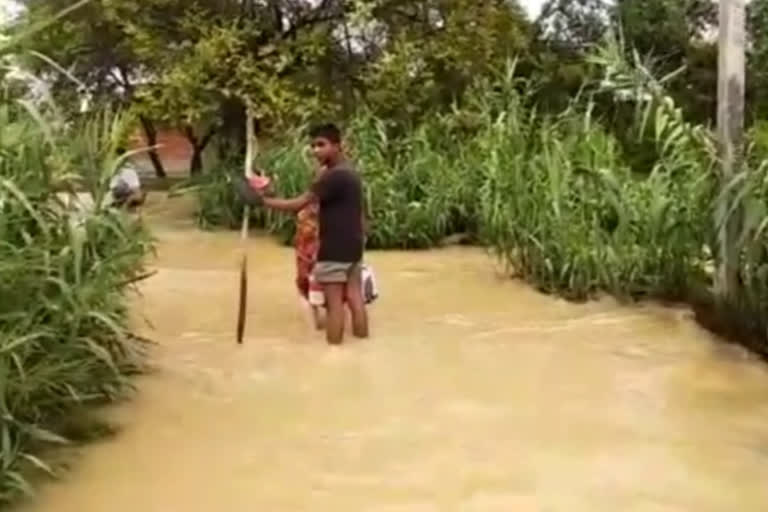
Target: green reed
(64, 274)
(555, 195)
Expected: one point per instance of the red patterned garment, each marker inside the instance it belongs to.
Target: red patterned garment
(307, 243)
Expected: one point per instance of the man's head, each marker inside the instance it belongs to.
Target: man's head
(326, 143)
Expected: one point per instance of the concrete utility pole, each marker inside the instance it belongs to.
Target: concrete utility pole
(730, 130)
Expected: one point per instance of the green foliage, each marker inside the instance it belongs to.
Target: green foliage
(573, 25)
(757, 64)
(744, 199)
(758, 135)
(669, 33)
(566, 212)
(220, 206)
(216, 62)
(64, 273)
(183, 64)
(553, 195)
(556, 196)
(416, 191)
(437, 50)
(665, 28)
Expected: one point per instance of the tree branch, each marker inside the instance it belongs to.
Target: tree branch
(207, 137)
(189, 133)
(197, 143)
(277, 12)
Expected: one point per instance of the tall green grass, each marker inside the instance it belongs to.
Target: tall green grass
(558, 196)
(220, 206)
(562, 206)
(417, 193)
(552, 194)
(743, 200)
(64, 274)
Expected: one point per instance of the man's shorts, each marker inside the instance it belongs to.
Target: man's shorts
(331, 272)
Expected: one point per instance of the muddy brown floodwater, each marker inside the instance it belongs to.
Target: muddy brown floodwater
(474, 394)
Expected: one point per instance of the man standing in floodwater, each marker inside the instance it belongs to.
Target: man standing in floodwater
(339, 192)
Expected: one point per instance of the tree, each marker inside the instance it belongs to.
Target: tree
(196, 64)
(573, 25)
(216, 71)
(159, 57)
(671, 32)
(400, 58)
(424, 54)
(563, 34)
(92, 44)
(666, 29)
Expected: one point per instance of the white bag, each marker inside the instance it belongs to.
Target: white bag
(370, 290)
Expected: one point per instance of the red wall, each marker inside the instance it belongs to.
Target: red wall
(175, 151)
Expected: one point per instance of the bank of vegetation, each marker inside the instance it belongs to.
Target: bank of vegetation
(65, 272)
(558, 196)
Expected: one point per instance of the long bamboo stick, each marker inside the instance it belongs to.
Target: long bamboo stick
(250, 141)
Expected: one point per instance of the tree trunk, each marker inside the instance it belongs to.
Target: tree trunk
(198, 146)
(151, 135)
(196, 163)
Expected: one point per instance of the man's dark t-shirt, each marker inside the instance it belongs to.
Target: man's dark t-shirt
(340, 194)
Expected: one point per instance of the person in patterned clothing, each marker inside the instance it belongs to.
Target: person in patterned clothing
(307, 242)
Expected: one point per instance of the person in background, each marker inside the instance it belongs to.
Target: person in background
(125, 186)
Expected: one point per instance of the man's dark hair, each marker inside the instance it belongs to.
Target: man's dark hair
(120, 151)
(327, 131)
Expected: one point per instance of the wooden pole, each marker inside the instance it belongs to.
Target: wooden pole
(250, 147)
(730, 131)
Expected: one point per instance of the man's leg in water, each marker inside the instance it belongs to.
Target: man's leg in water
(356, 302)
(334, 322)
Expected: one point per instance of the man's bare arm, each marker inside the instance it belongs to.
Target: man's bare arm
(288, 205)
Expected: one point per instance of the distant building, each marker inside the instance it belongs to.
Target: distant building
(175, 152)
